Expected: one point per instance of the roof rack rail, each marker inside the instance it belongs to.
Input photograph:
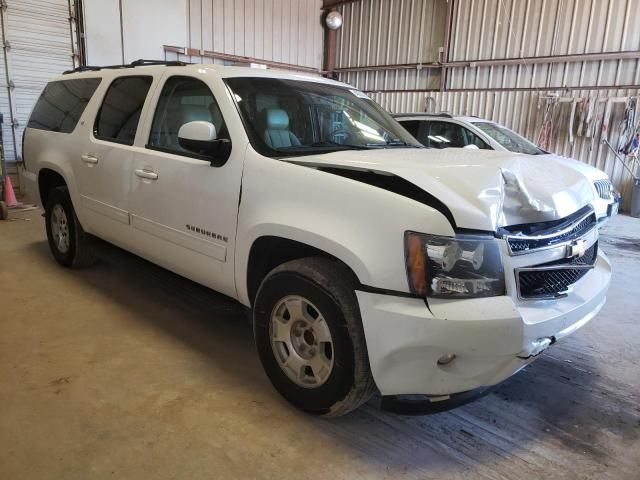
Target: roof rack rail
(136, 63)
(439, 114)
(83, 68)
(169, 63)
(424, 114)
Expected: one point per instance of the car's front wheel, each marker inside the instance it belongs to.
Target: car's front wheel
(310, 339)
(68, 242)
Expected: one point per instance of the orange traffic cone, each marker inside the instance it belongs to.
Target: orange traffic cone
(9, 196)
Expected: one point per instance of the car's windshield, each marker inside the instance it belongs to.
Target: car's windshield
(509, 139)
(292, 117)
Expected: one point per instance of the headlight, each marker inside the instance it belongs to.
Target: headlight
(464, 266)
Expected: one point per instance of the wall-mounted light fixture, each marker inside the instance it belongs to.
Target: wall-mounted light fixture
(333, 20)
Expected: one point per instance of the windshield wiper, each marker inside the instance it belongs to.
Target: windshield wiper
(392, 143)
(345, 146)
(398, 143)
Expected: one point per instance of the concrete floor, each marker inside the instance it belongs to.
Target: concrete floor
(125, 370)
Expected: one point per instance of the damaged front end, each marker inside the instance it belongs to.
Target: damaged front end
(520, 270)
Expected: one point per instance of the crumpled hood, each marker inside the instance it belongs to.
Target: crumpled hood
(484, 190)
(592, 173)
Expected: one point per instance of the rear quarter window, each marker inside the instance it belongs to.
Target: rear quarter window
(62, 103)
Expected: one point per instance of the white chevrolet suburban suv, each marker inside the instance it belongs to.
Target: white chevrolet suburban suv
(369, 262)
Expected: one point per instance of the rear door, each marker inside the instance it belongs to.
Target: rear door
(104, 162)
(183, 209)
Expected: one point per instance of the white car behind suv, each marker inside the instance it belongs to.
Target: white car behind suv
(443, 130)
(369, 262)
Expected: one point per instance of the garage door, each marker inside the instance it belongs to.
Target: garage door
(37, 44)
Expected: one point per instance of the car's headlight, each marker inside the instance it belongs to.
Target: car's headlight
(464, 266)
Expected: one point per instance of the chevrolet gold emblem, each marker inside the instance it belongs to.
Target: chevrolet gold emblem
(577, 248)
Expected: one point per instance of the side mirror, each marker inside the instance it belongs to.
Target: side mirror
(202, 139)
(472, 146)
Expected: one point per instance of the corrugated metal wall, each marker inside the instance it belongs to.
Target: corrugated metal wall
(287, 31)
(386, 32)
(37, 37)
(496, 29)
(382, 32)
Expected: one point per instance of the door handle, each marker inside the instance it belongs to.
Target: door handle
(146, 174)
(88, 158)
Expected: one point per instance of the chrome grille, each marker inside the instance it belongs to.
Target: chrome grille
(568, 260)
(603, 187)
(553, 279)
(520, 244)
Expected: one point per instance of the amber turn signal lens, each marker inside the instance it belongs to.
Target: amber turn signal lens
(416, 265)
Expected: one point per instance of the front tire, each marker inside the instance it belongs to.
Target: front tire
(310, 338)
(68, 242)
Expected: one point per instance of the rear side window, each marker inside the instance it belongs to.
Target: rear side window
(118, 118)
(61, 104)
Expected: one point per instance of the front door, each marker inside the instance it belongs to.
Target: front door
(184, 208)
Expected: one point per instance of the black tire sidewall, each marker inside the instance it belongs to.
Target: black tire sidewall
(317, 400)
(60, 196)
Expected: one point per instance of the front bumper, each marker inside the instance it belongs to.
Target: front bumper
(491, 338)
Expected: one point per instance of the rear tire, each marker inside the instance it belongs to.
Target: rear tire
(310, 339)
(68, 242)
